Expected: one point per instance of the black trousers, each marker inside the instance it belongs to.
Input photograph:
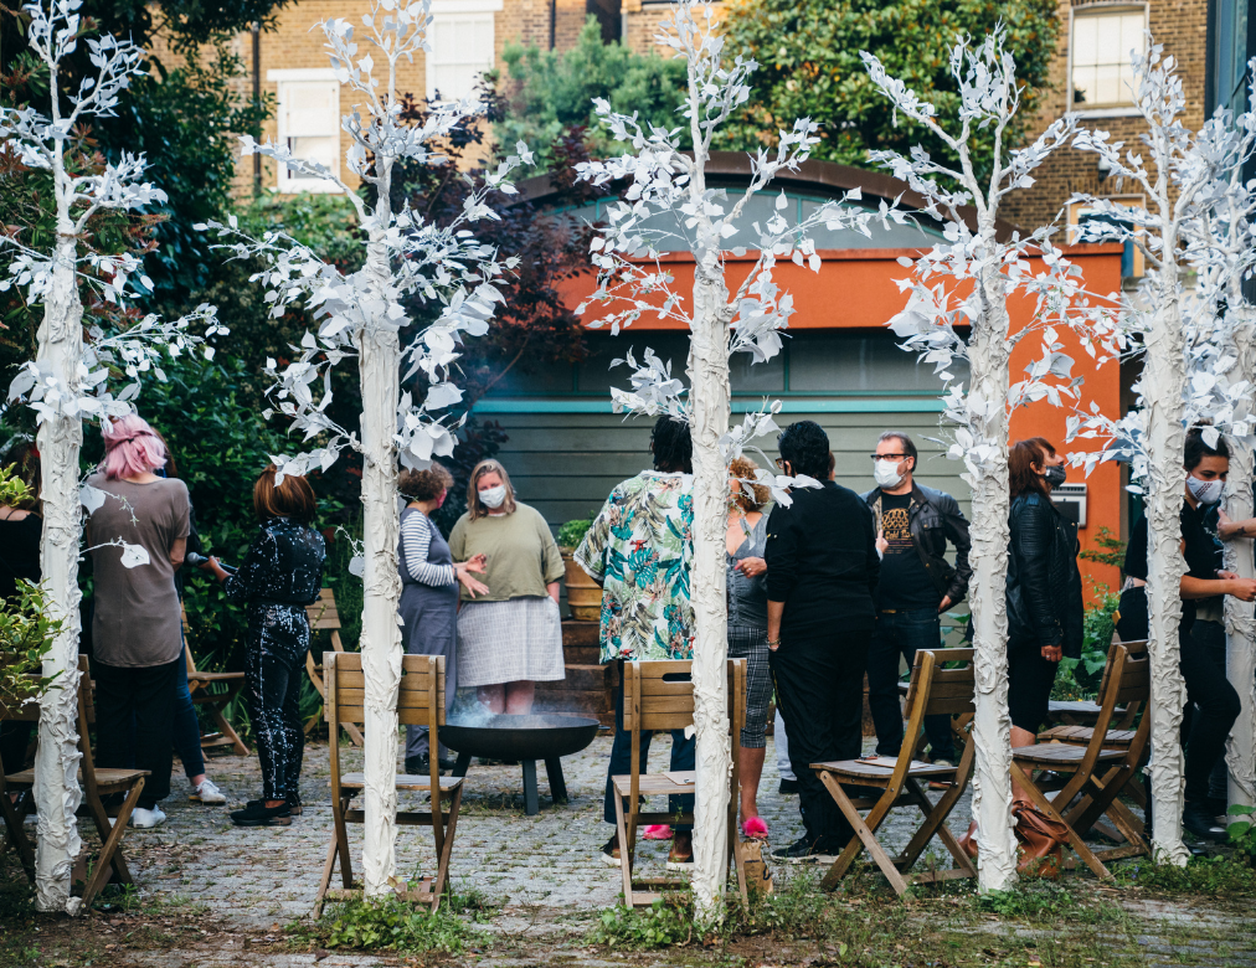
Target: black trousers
(135, 722)
(819, 691)
(278, 638)
(901, 633)
(1216, 708)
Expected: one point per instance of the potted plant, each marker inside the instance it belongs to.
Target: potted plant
(584, 595)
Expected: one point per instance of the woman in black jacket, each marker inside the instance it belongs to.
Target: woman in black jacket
(1044, 587)
(281, 574)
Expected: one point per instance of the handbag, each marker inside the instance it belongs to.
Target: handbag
(1041, 841)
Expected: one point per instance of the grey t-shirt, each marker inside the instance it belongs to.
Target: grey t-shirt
(135, 611)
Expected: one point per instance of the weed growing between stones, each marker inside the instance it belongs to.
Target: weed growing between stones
(394, 924)
(1221, 877)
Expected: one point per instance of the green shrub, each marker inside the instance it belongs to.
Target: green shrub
(1223, 877)
(26, 633)
(392, 924)
(571, 533)
(1243, 832)
(1079, 678)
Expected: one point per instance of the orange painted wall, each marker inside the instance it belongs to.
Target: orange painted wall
(856, 289)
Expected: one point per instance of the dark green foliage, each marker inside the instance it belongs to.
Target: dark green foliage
(1243, 832)
(548, 92)
(1079, 678)
(392, 924)
(1109, 550)
(1221, 877)
(571, 533)
(26, 633)
(809, 66)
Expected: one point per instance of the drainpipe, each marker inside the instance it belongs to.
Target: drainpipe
(257, 98)
(553, 22)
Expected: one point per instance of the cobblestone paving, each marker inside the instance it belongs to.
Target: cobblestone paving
(539, 867)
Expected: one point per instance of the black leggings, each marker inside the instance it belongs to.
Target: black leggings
(1216, 708)
(279, 637)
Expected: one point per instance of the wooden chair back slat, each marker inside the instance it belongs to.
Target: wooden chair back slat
(1135, 684)
(951, 691)
(323, 614)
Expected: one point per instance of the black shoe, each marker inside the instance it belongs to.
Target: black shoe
(1200, 822)
(805, 850)
(257, 814)
(294, 804)
(1217, 807)
(420, 765)
(446, 765)
(858, 792)
(788, 788)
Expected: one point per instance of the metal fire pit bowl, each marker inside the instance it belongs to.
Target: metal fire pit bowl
(527, 739)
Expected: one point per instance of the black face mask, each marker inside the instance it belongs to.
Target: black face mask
(1055, 475)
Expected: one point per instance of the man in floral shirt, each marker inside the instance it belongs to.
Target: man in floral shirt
(640, 550)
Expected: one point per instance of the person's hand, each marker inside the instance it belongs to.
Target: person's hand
(1244, 589)
(209, 564)
(473, 585)
(1227, 575)
(752, 567)
(882, 545)
(477, 563)
(1053, 653)
(946, 603)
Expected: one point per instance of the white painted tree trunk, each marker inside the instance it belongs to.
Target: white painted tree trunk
(380, 369)
(987, 591)
(57, 793)
(709, 414)
(1166, 440)
(1240, 620)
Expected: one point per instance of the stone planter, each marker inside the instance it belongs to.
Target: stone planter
(584, 595)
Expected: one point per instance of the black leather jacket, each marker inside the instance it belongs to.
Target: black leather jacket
(1044, 586)
(934, 518)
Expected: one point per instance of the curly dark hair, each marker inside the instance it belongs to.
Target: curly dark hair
(1197, 448)
(424, 485)
(671, 445)
(805, 446)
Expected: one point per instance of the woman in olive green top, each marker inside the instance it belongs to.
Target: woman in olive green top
(510, 638)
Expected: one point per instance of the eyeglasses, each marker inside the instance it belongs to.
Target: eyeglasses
(780, 463)
(887, 456)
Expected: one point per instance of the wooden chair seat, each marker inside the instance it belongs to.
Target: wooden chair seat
(1050, 755)
(212, 677)
(933, 690)
(108, 781)
(658, 695)
(404, 781)
(877, 773)
(1082, 735)
(420, 702)
(1081, 712)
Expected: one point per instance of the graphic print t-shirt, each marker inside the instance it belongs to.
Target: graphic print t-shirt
(904, 582)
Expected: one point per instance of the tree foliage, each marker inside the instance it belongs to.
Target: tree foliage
(808, 55)
(548, 92)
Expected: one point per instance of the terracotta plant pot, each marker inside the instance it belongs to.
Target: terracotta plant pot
(584, 595)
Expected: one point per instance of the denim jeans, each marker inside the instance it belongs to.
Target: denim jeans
(683, 758)
(898, 634)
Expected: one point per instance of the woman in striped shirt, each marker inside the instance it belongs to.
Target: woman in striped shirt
(429, 592)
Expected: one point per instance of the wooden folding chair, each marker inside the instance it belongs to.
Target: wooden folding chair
(420, 702)
(203, 688)
(1120, 733)
(324, 617)
(658, 696)
(933, 690)
(95, 783)
(1097, 772)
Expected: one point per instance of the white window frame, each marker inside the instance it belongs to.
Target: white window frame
(484, 11)
(286, 184)
(1086, 11)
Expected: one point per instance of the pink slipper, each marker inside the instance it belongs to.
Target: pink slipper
(657, 831)
(755, 828)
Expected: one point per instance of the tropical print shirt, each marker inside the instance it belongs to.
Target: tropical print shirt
(641, 548)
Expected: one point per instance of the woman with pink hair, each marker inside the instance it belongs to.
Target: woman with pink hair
(137, 534)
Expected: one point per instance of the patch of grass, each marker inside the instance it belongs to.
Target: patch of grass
(1030, 899)
(1219, 877)
(666, 922)
(395, 924)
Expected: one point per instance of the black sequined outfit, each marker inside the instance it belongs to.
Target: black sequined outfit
(281, 574)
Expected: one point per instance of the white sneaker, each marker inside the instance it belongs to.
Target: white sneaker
(208, 794)
(147, 818)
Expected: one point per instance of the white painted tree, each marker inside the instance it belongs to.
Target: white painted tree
(1181, 177)
(987, 270)
(360, 314)
(70, 379)
(668, 205)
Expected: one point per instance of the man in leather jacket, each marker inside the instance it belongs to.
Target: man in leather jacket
(917, 584)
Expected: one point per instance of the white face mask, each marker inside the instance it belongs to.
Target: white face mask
(885, 473)
(493, 497)
(1206, 492)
